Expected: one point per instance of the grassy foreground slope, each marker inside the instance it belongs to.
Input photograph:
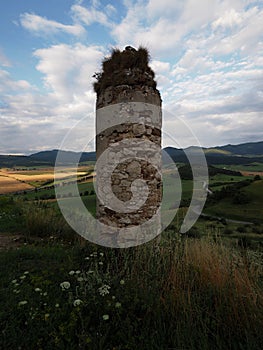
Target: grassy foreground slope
(175, 294)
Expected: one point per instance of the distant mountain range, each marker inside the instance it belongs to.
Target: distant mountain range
(244, 153)
(45, 158)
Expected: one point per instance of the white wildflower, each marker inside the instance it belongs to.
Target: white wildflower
(77, 272)
(37, 290)
(77, 302)
(23, 302)
(71, 272)
(65, 285)
(122, 282)
(104, 290)
(105, 317)
(80, 279)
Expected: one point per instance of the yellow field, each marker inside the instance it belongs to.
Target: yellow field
(18, 180)
(9, 184)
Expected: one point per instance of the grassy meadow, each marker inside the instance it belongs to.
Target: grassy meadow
(200, 290)
(252, 210)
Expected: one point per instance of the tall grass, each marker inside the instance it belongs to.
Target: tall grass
(178, 293)
(44, 222)
(207, 295)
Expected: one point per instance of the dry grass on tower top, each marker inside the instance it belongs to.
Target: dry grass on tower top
(127, 67)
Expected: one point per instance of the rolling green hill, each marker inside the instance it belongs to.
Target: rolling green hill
(251, 210)
(244, 149)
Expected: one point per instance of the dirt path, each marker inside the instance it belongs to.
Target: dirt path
(8, 241)
(227, 220)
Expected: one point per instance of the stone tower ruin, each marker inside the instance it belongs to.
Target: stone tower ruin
(128, 148)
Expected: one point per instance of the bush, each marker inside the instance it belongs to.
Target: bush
(241, 229)
(241, 198)
(228, 231)
(244, 242)
(222, 221)
(258, 230)
(193, 233)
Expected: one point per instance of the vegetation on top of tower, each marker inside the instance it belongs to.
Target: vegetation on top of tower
(128, 67)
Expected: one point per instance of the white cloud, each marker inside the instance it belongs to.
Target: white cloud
(158, 37)
(90, 15)
(160, 66)
(162, 74)
(68, 69)
(165, 27)
(4, 61)
(40, 25)
(245, 38)
(110, 10)
(7, 84)
(194, 60)
(37, 121)
(196, 13)
(229, 19)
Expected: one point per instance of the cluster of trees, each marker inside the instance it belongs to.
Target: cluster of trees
(185, 172)
(66, 195)
(234, 192)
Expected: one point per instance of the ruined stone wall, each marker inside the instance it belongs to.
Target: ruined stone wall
(128, 134)
(126, 93)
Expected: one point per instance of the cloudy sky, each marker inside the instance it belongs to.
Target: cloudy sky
(207, 55)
